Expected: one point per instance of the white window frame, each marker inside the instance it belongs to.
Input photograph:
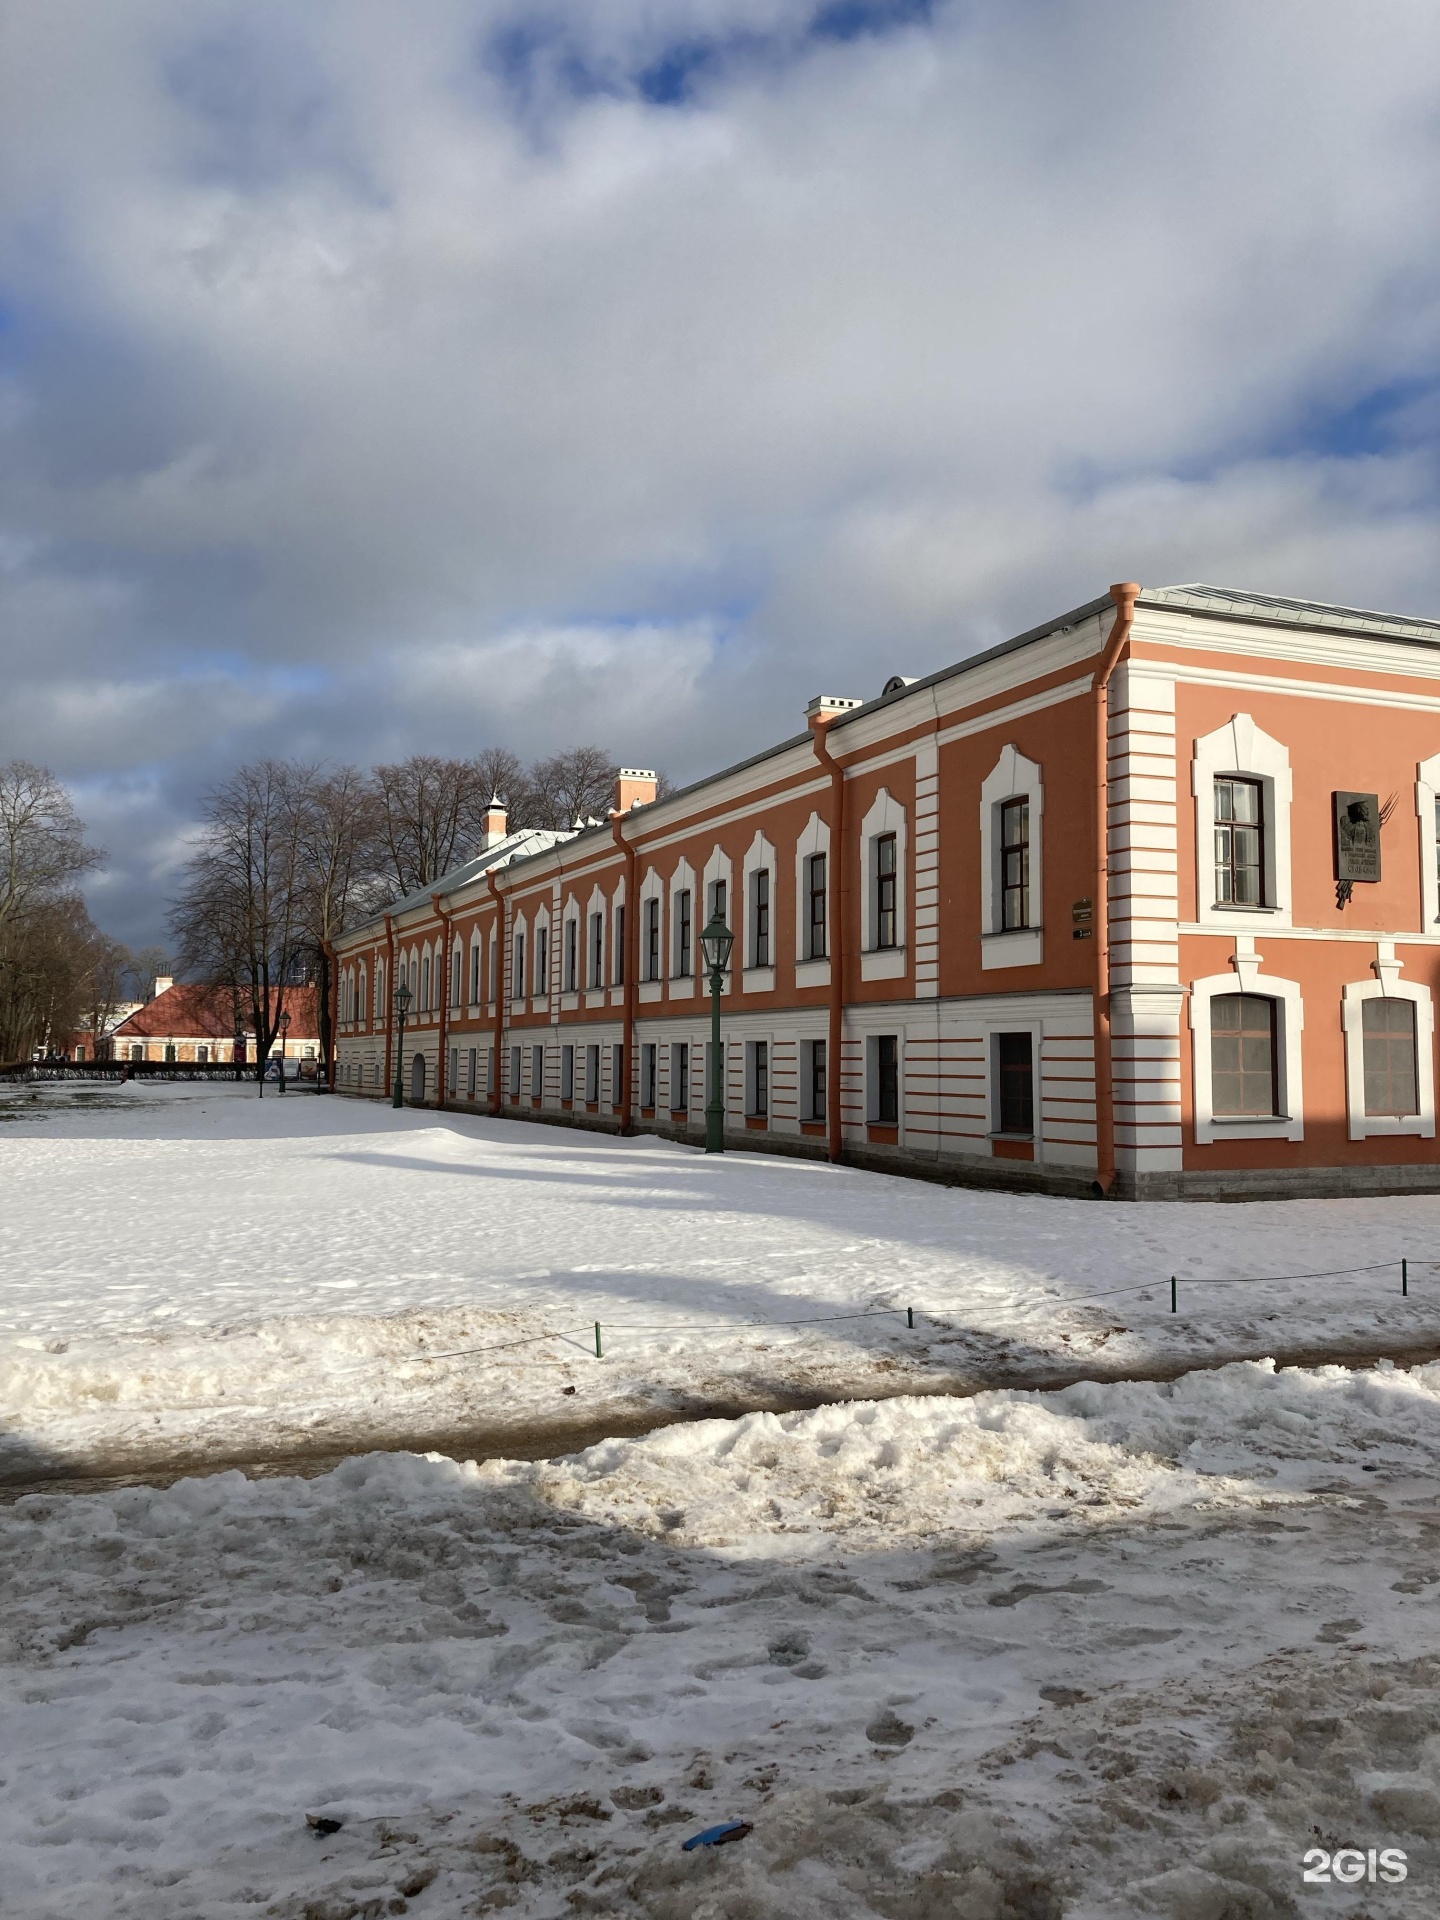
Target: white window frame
(457, 974)
(1036, 1030)
(617, 1075)
(680, 986)
(759, 857)
(752, 1112)
(675, 1046)
(886, 815)
(721, 867)
(1013, 777)
(815, 839)
(567, 1072)
(652, 888)
(537, 1082)
(872, 1079)
(1387, 985)
(807, 1078)
(477, 964)
(650, 1075)
(1427, 790)
(592, 1073)
(1246, 977)
(572, 929)
(1247, 752)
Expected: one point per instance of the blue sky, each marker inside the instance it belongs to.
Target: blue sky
(380, 379)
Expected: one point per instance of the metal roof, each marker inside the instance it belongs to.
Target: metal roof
(1280, 610)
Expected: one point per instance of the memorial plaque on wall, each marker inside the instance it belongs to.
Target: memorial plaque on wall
(1357, 836)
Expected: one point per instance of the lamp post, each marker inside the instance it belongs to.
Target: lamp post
(715, 943)
(284, 1029)
(402, 1007)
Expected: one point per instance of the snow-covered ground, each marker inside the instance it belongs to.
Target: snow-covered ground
(1122, 1650)
(194, 1274)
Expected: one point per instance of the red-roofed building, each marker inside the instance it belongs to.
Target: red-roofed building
(200, 1023)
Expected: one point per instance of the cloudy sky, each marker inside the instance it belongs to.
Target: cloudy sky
(382, 377)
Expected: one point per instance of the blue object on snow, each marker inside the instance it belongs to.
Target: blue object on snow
(717, 1836)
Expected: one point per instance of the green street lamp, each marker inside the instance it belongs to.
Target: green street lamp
(715, 943)
(402, 1007)
(284, 1029)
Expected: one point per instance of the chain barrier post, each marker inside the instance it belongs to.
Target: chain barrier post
(1405, 1276)
(1173, 1308)
(909, 1316)
(599, 1350)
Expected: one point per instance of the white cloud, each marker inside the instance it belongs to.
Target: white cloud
(486, 408)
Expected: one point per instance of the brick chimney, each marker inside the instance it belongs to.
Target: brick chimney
(634, 787)
(493, 827)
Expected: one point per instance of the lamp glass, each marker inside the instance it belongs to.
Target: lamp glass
(402, 997)
(716, 942)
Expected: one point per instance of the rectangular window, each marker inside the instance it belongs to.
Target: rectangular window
(649, 1073)
(617, 971)
(815, 942)
(567, 1073)
(471, 1069)
(1239, 842)
(455, 978)
(1015, 1082)
(718, 898)
(425, 984)
(572, 955)
(617, 1074)
(592, 1076)
(887, 1078)
(202, 1054)
(760, 917)
(597, 949)
(514, 1073)
(885, 883)
(1391, 1088)
(542, 961)
(1242, 1055)
(680, 1076)
(475, 975)
(815, 1081)
(652, 943)
(683, 932)
(537, 1073)
(760, 1078)
(517, 981)
(1015, 863)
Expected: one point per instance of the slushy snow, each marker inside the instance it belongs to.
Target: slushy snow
(1113, 1651)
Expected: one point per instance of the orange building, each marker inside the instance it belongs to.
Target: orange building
(1144, 902)
(200, 1024)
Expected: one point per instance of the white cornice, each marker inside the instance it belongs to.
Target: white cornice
(1194, 633)
(1301, 689)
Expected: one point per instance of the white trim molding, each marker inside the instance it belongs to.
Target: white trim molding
(759, 858)
(1427, 795)
(1246, 977)
(1387, 985)
(1013, 777)
(1242, 748)
(815, 838)
(886, 815)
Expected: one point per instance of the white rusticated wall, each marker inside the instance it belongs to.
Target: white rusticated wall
(1146, 997)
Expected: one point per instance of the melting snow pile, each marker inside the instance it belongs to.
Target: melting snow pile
(301, 1275)
(1116, 1651)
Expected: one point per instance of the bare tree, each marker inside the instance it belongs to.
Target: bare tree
(241, 918)
(42, 844)
(144, 967)
(501, 771)
(48, 955)
(340, 848)
(430, 814)
(571, 787)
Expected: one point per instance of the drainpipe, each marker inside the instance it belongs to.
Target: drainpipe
(840, 867)
(632, 967)
(390, 984)
(441, 1057)
(492, 880)
(1124, 595)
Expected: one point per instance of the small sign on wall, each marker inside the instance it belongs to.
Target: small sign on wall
(1357, 836)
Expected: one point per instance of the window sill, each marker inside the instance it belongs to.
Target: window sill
(682, 986)
(594, 996)
(883, 963)
(758, 980)
(1017, 947)
(650, 991)
(812, 973)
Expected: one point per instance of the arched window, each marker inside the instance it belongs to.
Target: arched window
(425, 984)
